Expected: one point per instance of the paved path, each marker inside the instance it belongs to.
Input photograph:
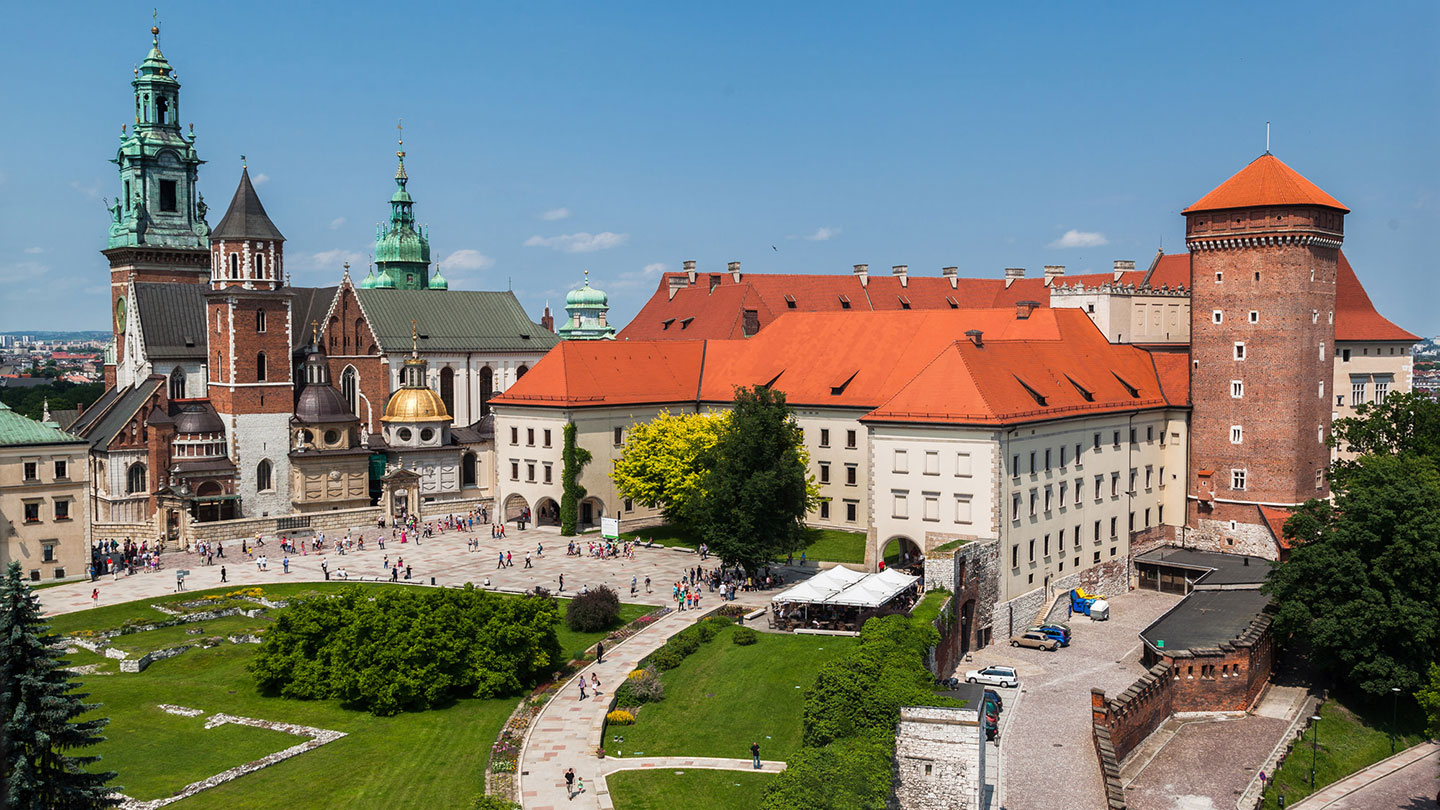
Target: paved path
(1406, 781)
(568, 730)
(445, 557)
(613, 764)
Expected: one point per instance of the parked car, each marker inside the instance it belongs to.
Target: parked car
(991, 696)
(1038, 640)
(992, 728)
(1051, 631)
(994, 676)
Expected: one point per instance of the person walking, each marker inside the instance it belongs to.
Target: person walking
(632, 587)
(562, 582)
(755, 754)
(647, 584)
(325, 567)
(527, 560)
(570, 783)
(579, 784)
(582, 688)
(223, 578)
(286, 563)
(95, 598)
(500, 563)
(599, 656)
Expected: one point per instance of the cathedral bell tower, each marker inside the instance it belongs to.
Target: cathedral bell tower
(251, 380)
(1264, 248)
(157, 223)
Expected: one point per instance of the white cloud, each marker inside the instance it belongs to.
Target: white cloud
(823, 234)
(34, 250)
(579, 242)
(336, 223)
(334, 259)
(1076, 239)
(467, 259)
(260, 178)
(555, 214)
(655, 267)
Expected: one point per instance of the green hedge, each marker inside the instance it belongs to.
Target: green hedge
(408, 650)
(744, 636)
(684, 643)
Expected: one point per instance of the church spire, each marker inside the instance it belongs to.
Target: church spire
(402, 248)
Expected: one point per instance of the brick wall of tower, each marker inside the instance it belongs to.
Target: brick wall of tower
(1279, 263)
(349, 342)
(232, 389)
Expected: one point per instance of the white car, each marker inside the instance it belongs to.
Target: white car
(994, 676)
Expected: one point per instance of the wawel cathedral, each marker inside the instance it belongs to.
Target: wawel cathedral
(232, 393)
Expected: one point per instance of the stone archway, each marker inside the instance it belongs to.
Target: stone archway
(515, 507)
(901, 552)
(547, 512)
(589, 512)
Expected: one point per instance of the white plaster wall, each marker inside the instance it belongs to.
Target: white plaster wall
(467, 366)
(901, 483)
(1367, 362)
(260, 436)
(838, 421)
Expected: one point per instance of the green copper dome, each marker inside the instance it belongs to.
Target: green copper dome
(402, 248)
(383, 282)
(586, 296)
(438, 282)
(368, 283)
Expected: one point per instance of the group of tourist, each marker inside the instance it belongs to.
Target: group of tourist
(112, 557)
(604, 549)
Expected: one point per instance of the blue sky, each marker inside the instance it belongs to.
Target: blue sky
(547, 139)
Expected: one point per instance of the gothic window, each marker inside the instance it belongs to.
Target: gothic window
(260, 320)
(350, 388)
(447, 389)
(234, 265)
(259, 271)
(177, 383)
(135, 478)
(263, 475)
(260, 367)
(487, 387)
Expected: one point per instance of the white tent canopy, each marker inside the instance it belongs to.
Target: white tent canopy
(841, 586)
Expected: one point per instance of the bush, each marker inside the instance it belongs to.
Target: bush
(620, 717)
(686, 641)
(706, 631)
(744, 636)
(407, 649)
(638, 673)
(637, 691)
(493, 803)
(598, 609)
(719, 621)
(666, 658)
(853, 773)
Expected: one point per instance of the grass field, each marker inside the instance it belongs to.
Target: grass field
(687, 789)
(428, 759)
(829, 545)
(1347, 743)
(724, 697)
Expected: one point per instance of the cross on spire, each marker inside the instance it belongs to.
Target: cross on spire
(315, 332)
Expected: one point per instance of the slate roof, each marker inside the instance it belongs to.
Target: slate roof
(309, 304)
(1206, 619)
(113, 413)
(1266, 181)
(246, 217)
(1213, 569)
(172, 320)
(22, 430)
(453, 320)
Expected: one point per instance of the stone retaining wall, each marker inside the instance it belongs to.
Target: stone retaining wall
(143, 662)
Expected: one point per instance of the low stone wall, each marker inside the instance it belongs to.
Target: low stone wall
(1137, 712)
(227, 531)
(143, 662)
(123, 532)
(1015, 615)
(1109, 765)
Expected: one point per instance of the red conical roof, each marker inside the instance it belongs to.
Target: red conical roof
(1266, 181)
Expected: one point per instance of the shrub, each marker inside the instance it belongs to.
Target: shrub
(851, 773)
(665, 658)
(493, 803)
(743, 636)
(407, 649)
(620, 717)
(637, 673)
(640, 687)
(598, 609)
(719, 621)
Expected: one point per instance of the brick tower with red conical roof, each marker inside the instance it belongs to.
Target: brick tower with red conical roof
(1264, 247)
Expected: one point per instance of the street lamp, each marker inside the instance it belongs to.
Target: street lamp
(1394, 716)
(1314, 747)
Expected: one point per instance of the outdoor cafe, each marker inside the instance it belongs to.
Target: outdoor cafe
(840, 599)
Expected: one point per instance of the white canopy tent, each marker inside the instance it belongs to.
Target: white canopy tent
(842, 587)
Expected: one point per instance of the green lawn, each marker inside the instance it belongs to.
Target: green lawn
(428, 759)
(687, 789)
(572, 643)
(928, 609)
(1347, 743)
(724, 697)
(177, 635)
(829, 545)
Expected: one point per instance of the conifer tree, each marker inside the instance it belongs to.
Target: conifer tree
(37, 715)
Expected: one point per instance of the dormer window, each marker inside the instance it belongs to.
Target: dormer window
(844, 302)
(789, 302)
(664, 325)
(685, 324)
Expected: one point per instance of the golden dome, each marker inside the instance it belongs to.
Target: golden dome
(415, 405)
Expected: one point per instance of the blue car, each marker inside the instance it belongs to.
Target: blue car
(1056, 632)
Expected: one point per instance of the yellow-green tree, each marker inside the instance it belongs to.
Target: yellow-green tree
(664, 460)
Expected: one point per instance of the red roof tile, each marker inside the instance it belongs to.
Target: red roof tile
(1355, 315)
(1266, 181)
(1275, 518)
(1173, 369)
(584, 373)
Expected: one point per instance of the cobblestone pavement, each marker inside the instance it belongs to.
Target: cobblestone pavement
(445, 557)
(1047, 756)
(1406, 781)
(1207, 764)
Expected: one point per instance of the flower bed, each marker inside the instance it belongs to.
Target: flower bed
(639, 624)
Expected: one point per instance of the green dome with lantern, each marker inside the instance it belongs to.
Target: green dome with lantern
(587, 312)
(402, 248)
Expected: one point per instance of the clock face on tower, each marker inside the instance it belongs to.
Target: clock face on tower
(120, 314)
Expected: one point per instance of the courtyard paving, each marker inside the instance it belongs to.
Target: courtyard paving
(1047, 758)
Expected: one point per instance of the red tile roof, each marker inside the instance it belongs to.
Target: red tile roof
(1355, 315)
(1266, 181)
(583, 373)
(1275, 518)
(1173, 370)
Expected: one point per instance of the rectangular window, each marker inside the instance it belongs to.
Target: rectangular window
(1015, 465)
(1034, 502)
(1032, 550)
(1060, 542)
(546, 434)
(619, 436)
(32, 513)
(1047, 545)
(851, 510)
(1077, 454)
(824, 437)
(168, 198)
(1047, 459)
(1237, 389)
(1114, 484)
(1382, 388)
(1062, 457)
(1255, 317)
(530, 471)
(1097, 531)
(259, 320)
(901, 506)
(932, 507)
(47, 553)
(1099, 487)
(1015, 556)
(62, 510)
(530, 437)
(1149, 433)
(1115, 439)
(850, 474)
(1049, 496)
(515, 436)
(1097, 554)
(824, 472)
(1237, 434)
(932, 462)
(549, 470)
(1160, 513)
(1079, 488)
(962, 465)
(1237, 480)
(825, 510)
(32, 470)
(850, 439)
(1217, 316)
(1147, 517)
(1132, 435)
(1134, 475)
(1149, 476)
(902, 463)
(1357, 391)
(514, 471)
(1344, 355)
(1097, 441)
(1114, 521)
(1032, 462)
(963, 513)
(1064, 486)
(1319, 479)
(1239, 350)
(1132, 521)
(62, 469)
(1015, 507)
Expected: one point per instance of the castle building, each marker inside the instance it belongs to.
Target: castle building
(587, 312)
(43, 509)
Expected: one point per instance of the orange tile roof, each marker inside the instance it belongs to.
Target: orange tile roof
(1173, 370)
(583, 373)
(1266, 181)
(1355, 315)
(1275, 518)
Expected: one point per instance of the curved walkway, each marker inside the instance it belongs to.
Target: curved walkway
(1406, 780)
(614, 764)
(568, 730)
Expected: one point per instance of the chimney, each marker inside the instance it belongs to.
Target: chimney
(1013, 273)
(678, 283)
(952, 273)
(1024, 308)
(863, 271)
(548, 321)
(974, 335)
(1052, 272)
(1122, 266)
(690, 270)
(902, 272)
(735, 272)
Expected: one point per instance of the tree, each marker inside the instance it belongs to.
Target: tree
(1400, 424)
(1361, 588)
(38, 711)
(663, 461)
(572, 460)
(756, 491)
(1429, 699)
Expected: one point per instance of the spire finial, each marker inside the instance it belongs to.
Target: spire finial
(1267, 137)
(243, 164)
(587, 278)
(414, 339)
(155, 27)
(315, 332)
